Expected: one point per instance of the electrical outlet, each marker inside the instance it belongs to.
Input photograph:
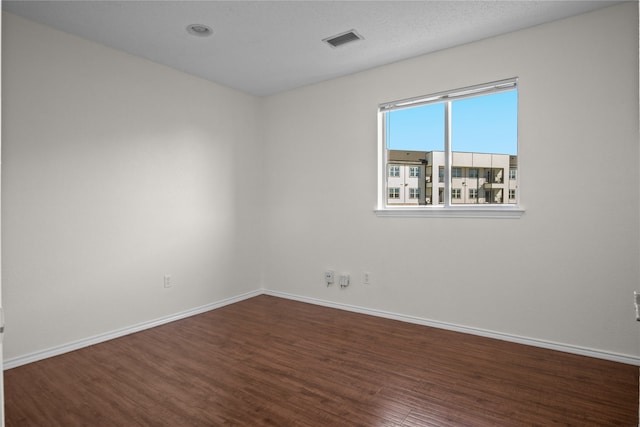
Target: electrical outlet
(366, 278)
(167, 281)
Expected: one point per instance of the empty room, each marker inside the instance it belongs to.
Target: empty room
(320, 213)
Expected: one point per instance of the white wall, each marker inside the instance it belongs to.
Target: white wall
(565, 272)
(116, 171)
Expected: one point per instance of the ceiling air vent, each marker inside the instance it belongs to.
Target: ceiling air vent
(343, 38)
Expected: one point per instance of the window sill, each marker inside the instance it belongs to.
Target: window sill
(511, 212)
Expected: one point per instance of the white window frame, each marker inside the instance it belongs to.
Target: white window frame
(446, 209)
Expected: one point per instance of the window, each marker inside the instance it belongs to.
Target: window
(463, 133)
(414, 193)
(512, 194)
(394, 193)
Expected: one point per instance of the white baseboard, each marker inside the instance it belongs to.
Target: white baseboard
(599, 354)
(76, 345)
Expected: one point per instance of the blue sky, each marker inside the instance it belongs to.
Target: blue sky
(482, 124)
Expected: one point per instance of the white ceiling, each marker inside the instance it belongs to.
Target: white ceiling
(265, 47)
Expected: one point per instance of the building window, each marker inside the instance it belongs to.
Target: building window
(414, 193)
(513, 174)
(512, 194)
(394, 193)
(471, 129)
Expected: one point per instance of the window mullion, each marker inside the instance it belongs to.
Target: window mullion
(447, 154)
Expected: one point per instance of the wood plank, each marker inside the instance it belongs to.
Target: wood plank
(270, 361)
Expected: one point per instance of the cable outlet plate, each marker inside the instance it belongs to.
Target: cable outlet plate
(344, 280)
(329, 277)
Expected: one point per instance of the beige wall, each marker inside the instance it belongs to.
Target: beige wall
(116, 171)
(565, 272)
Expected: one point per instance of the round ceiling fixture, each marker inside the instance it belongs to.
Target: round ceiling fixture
(199, 30)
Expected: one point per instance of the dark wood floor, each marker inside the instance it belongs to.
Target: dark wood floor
(270, 361)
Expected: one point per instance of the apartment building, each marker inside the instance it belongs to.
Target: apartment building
(417, 178)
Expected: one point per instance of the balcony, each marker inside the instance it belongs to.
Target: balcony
(493, 185)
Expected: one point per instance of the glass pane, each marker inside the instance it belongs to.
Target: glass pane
(414, 137)
(416, 129)
(484, 145)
